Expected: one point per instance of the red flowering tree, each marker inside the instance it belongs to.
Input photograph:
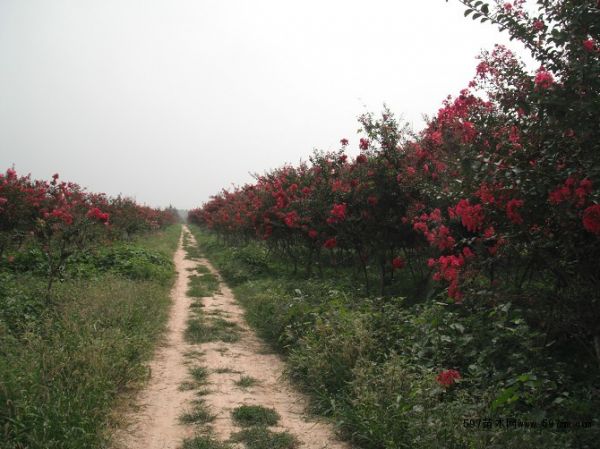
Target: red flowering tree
(62, 218)
(496, 199)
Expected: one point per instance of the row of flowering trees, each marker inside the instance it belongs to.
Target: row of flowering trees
(64, 218)
(496, 199)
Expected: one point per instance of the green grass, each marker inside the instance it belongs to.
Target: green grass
(255, 415)
(200, 269)
(262, 438)
(199, 374)
(63, 368)
(370, 362)
(192, 251)
(204, 442)
(200, 413)
(202, 285)
(202, 329)
(246, 382)
(165, 241)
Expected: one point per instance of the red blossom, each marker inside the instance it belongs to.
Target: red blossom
(591, 219)
(313, 234)
(361, 159)
(589, 45)
(471, 216)
(436, 137)
(291, 219)
(330, 243)
(96, 214)
(467, 252)
(511, 211)
(398, 263)
(364, 144)
(447, 378)
(543, 79)
(372, 200)
(344, 142)
(338, 212)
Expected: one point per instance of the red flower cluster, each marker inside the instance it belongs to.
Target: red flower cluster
(571, 190)
(338, 213)
(330, 243)
(511, 211)
(591, 219)
(471, 216)
(398, 263)
(543, 79)
(448, 377)
(291, 219)
(96, 214)
(589, 45)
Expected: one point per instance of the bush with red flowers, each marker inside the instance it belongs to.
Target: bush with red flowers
(63, 219)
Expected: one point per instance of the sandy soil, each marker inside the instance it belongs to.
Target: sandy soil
(155, 425)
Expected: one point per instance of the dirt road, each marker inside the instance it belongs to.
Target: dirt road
(239, 371)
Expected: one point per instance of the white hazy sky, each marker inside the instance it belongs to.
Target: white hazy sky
(168, 101)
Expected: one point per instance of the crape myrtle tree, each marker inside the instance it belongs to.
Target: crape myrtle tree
(531, 173)
(61, 218)
(495, 201)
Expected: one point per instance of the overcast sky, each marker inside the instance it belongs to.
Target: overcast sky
(168, 101)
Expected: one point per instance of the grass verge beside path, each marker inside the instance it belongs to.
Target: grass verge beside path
(374, 365)
(63, 366)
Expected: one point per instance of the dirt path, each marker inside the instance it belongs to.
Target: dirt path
(157, 424)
